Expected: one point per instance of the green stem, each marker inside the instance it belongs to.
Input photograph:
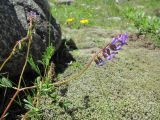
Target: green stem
(25, 64)
(12, 52)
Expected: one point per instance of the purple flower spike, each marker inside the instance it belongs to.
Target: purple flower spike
(110, 51)
(32, 15)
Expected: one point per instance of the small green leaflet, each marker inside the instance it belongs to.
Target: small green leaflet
(4, 82)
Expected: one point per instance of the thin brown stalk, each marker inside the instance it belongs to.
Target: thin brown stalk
(9, 104)
(12, 52)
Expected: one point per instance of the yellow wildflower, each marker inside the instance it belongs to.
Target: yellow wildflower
(70, 20)
(84, 21)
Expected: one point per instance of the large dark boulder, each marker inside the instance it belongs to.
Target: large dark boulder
(14, 26)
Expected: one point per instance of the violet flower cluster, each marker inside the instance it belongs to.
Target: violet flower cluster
(112, 49)
(32, 15)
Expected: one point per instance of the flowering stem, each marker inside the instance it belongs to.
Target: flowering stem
(82, 71)
(24, 66)
(28, 49)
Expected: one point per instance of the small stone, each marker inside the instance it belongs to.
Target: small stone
(115, 18)
(67, 2)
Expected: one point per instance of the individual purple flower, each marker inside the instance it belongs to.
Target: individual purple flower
(123, 38)
(99, 61)
(114, 40)
(32, 15)
(118, 42)
(107, 54)
(111, 55)
(106, 51)
(116, 47)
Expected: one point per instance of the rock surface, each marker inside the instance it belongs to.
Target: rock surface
(14, 25)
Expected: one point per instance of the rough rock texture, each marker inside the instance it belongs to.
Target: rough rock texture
(14, 25)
